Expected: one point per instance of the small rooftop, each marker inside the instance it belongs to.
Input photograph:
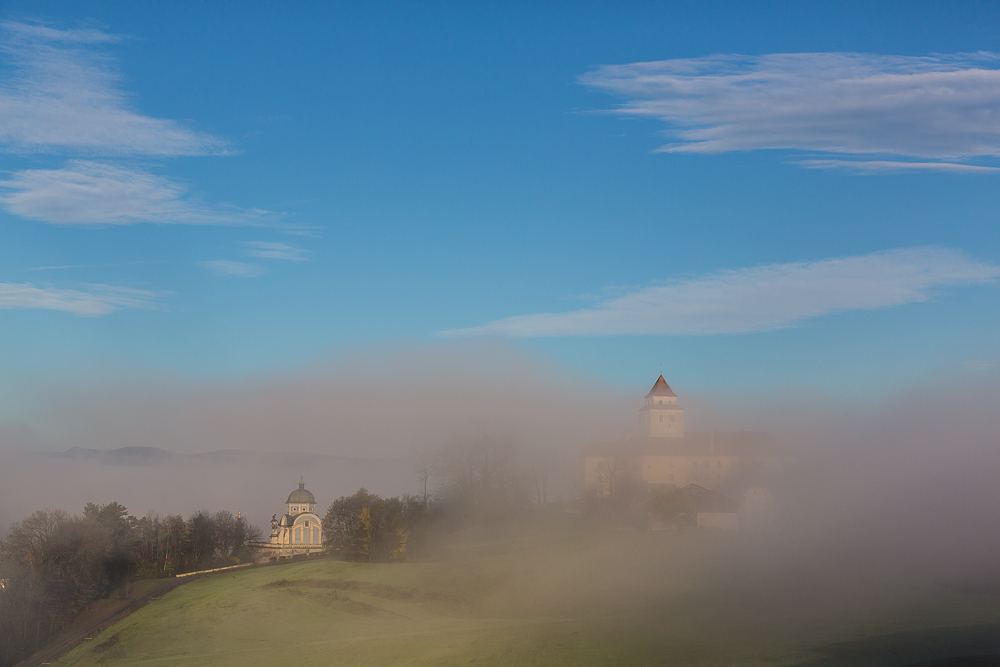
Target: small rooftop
(661, 388)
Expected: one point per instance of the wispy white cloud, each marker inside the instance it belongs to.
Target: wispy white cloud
(63, 95)
(60, 267)
(97, 193)
(225, 267)
(941, 107)
(757, 299)
(980, 365)
(44, 33)
(261, 249)
(94, 300)
(266, 250)
(890, 166)
(66, 267)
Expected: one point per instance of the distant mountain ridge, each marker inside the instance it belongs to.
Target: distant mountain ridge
(138, 455)
(130, 454)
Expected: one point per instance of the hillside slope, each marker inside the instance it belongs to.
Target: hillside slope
(555, 596)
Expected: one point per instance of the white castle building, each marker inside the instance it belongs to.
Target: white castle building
(665, 455)
(299, 531)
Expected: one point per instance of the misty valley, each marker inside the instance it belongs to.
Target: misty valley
(662, 546)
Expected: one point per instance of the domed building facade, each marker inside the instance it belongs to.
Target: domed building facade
(298, 532)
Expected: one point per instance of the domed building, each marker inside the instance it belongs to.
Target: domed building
(299, 531)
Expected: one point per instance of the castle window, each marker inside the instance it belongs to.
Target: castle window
(671, 419)
(661, 419)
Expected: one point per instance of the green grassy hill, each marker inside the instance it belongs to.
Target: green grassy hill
(552, 595)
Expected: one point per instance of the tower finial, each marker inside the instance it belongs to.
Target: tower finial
(302, 482)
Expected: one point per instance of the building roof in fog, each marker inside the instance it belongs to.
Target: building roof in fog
(300, 495)
(706, 500)
(662, 406)
(741, 444)
(661, 388)
(289, 520)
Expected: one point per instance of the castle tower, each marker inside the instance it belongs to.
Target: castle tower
(661, 417)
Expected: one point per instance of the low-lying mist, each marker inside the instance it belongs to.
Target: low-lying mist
(342, 424)
(879, 501)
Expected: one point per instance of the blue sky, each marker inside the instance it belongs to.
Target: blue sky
(774, 195)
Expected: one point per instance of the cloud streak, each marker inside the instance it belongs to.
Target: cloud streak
(64, 96)
(225, 267)
(894, 166)
(266, 250)
(762, 298)
(42, 33)
(95, 300)
(939, 107)
(96, 193)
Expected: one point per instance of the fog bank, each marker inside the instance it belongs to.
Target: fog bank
(343, 423)
(899, 489)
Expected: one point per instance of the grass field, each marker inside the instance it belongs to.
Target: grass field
(550, 595)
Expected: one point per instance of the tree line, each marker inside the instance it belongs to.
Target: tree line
(365, 527)
(485, 476)
(54, 565)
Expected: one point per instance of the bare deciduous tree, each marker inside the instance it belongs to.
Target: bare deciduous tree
(426, 468)
(542, 465)
(481, 472)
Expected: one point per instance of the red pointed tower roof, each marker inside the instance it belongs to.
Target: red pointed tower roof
(661, 388)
